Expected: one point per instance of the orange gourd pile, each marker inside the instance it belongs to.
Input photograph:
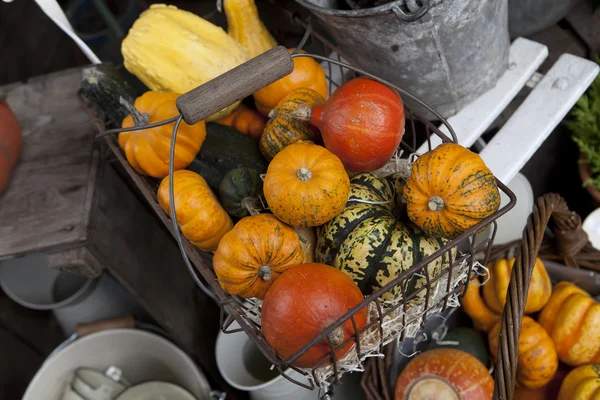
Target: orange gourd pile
(567, 330)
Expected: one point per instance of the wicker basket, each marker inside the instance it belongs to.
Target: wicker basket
(566, 242)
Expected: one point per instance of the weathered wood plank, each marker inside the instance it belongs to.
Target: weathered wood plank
(45, 204)
(70, 203)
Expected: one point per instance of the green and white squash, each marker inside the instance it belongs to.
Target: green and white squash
(239, 192)
(369, 244)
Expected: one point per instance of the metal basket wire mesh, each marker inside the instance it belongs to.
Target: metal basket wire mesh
(434, 294)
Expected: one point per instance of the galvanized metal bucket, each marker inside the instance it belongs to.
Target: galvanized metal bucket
(446, 52)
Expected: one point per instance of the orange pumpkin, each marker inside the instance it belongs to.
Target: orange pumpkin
(254, 253)
(200, 216)
(11, 142)
(304, 301)
(148, 150)
(449, 191)
(307, 73)
(283, 128)
(246, 120)
(486, 311)
(306, 185)
(483, 317)
(537, 361)
(496, 289)
(362, 123)
(572, 318)
(582, 383)
(447, 374)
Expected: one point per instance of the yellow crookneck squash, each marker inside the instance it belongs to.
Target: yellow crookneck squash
(245, 26)
(201, 218)
(253, 255)
(537, 362)
(172, 50)
(449, 191)
(582, 383)
(572, 319)
(148, 150)
(486, 310)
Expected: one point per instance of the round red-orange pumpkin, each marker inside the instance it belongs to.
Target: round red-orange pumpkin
(10, 142)
(362, 123)
(301, 303)
(447, 374)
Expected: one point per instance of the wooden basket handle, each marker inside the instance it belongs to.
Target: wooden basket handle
(546, 206)
(234, 85)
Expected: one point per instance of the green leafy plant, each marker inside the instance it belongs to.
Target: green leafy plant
(584, 122)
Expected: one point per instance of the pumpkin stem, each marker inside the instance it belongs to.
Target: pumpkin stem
(304, 174)
(336, 336)
(250, 204)
(303, 113)
(264, 273)
(139, 118)
(436, 203)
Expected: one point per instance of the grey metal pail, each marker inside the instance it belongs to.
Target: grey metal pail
(446, 52)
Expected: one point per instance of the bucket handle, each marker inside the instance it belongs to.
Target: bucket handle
(415, 11)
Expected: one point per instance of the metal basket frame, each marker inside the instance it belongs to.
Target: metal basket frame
(235, 308)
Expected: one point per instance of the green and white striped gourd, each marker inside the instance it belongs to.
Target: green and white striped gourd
(369, 244)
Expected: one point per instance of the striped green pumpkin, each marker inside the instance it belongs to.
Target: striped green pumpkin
(369, 244)
(283, 128)
(239, 191)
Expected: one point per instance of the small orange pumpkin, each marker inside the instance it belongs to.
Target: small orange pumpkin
(486, 310)
(254, 253)
(283, 128)
(306, 185)
(246, 120)
(449, 191)
(538, 361)
(200, 216)
(582, 383)
(148, 150)
(496, 289)
(304, 301)
(307, 73)
(447, 374)
(572, 319)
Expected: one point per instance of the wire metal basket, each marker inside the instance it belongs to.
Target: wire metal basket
(438, 288)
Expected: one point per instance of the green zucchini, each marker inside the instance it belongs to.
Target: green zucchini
(105, 86)
(223, 150)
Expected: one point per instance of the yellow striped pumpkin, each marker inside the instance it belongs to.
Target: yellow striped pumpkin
(449, 191)
(283, 128)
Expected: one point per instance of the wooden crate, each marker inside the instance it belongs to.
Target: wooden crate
(66, 201)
